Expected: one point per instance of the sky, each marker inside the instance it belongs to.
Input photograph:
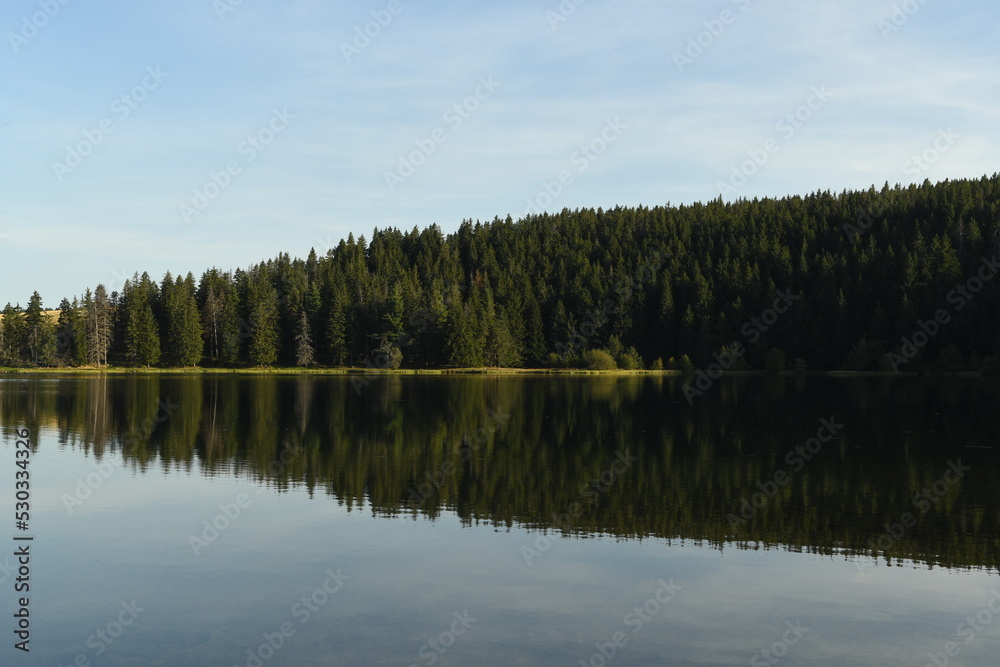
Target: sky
(189, 134)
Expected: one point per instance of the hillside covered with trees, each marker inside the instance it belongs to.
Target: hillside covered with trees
(890, 279)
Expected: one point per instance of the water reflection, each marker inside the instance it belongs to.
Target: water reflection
(901, 469)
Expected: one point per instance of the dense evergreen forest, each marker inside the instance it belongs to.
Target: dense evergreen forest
(893, 279)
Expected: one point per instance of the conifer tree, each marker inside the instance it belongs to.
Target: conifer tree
(305, 353)
(142, 336)
(262, 311)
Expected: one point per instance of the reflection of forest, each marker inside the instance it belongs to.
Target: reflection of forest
(554, 453)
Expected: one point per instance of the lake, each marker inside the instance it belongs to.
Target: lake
(248, 520)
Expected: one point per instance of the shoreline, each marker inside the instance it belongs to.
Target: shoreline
(355, 372)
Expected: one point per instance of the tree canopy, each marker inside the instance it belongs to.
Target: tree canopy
(897, 278)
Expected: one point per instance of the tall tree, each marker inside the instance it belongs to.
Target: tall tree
(98, 325)
(305, 353)
(262, 314)
(40, 333)
(142, 337)
(183, 323)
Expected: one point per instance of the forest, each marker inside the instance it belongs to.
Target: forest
(891, 279)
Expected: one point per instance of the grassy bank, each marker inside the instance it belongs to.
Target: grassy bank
(294, 370)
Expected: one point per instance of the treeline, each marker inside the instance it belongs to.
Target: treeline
(897, 278)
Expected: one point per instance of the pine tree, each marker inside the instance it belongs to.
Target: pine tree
(211, 316)
(98, 325)
(262, 311)
(41, 339)
(14, 335)
(142, 337)
(305, 353)
(183, 323)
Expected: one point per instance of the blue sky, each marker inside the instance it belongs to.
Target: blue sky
(114, 117)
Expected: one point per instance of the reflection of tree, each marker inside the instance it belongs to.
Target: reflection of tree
(523, 450)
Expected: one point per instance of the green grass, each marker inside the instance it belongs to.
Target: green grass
(295, 370)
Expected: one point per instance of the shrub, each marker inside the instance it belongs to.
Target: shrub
(630, 360)
(599, 360)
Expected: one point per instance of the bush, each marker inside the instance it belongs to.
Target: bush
(630, 360)
(555, 361)
(686, 364)
(388, 356)
(599, 360)
(657, 365)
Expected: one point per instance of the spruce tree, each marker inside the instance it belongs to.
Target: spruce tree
(262, 311)
(305, 353)
(142, 337)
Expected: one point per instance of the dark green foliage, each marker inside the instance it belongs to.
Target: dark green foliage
(305, 352)
(182, 323)
(39, 334)
(263, 317)
(13, 339)
(142, 337)
(834, 280)
(599, 360)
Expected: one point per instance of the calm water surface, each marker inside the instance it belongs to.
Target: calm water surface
(269, 520)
